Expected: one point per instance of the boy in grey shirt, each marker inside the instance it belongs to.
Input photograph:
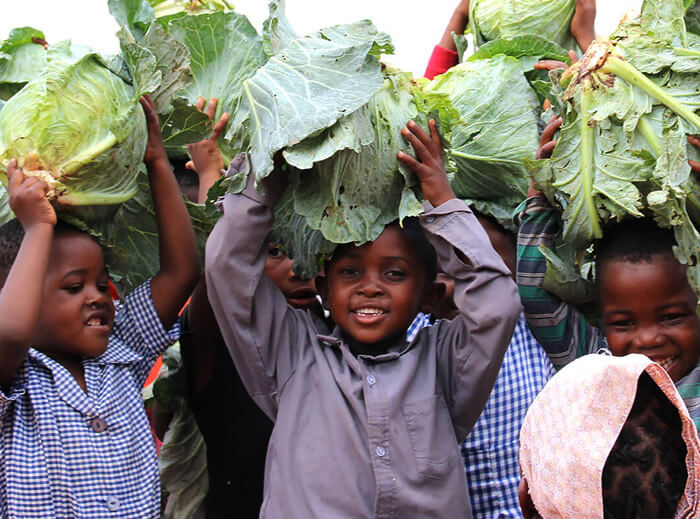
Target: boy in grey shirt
(366, 423)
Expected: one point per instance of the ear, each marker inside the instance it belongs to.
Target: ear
(527, 507)
(432, 295)
(322, 289)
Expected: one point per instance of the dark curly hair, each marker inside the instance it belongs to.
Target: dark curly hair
(645, 474)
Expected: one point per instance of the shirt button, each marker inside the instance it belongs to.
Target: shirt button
(112, 504)
(381, 451)
(429, 219)
(371, 380)
(98, 425)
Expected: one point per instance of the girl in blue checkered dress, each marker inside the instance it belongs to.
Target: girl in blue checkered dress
(74, 438)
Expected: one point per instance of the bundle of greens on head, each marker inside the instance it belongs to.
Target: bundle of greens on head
(335, 113)
(623, 150)
(494, 19)
(78, 124)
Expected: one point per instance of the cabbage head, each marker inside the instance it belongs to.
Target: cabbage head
(550, 19)
(77, 126)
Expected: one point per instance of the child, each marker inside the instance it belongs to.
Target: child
(74, 439)
(647, 305)
(366, 424)
(610, 437)
(235, 430)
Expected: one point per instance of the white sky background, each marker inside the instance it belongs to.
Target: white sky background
(415, 26)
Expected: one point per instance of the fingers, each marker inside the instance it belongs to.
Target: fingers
(220, 125)
(189, 165)
(149, 109)
(211, 109)
(550, 64)
(549, 130)
(573, 57)
(694, 165)
(545, 151)
(694, 140)
(200, 103)
(409, 161)
(15, 175)
(435, 135)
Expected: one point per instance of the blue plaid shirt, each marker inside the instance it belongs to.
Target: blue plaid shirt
(64, 453)
(491, 450)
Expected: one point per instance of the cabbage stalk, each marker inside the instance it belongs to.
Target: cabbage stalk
(77, 126)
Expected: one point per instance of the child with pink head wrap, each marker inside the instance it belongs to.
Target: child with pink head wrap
(610, 437)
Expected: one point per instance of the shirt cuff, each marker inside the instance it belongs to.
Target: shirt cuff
(153, 333)
(441, 60)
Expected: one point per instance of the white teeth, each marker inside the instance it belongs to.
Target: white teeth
(667, 362)
(94, 321)
(369, 311)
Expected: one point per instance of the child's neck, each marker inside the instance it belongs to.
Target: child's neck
(73, 364)
(378, 348)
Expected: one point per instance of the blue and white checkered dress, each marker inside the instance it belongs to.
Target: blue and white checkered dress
(56, 459)
(491, 450)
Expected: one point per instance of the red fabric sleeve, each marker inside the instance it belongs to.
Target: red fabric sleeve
(441, 60)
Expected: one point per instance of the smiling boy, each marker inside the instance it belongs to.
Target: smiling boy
(366, 423)
(74, 438)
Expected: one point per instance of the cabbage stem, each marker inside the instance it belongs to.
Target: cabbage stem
(87, 155)
(587, 153)
(93, 198)
(682, 51)
(649, 135)
(622, 69)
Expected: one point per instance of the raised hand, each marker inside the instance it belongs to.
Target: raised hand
(205, 153)
(28, 198)
(428, 165)
(583, 23)
(155, 150)
(547, 145)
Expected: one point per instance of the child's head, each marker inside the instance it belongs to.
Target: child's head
(647, 305)
(77, 311)
(374, 291)
(609, 437)
(300, 293)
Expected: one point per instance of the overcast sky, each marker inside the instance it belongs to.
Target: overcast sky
(415, 26)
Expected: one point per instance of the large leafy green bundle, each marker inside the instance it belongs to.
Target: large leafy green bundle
(622, 151)
(550, 19)
(490, 117)
(77, 126)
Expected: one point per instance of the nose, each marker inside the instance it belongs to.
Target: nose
(370, 286)
(648, 337)
(96, 297)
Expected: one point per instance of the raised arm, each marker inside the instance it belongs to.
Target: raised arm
(561, 330)
(583, 23)
(444, 54)
(471, 347)
(261, 331)
(20, 297)
(179, 259)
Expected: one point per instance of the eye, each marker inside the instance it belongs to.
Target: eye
(621, 324)
(74, 288)
(349, 271)
(103, 287)
(275, 252)
(672, 318)
(395, 274)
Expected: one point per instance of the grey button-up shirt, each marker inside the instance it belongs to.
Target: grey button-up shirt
(362, 436)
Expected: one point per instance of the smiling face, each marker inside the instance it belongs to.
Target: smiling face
(374, 292)
(300, 293)
(648, 307)
(77, 311)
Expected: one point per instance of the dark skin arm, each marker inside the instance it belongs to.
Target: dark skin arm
(583, 23)
(547, 145)
(428, 165)
(206, 161)
(20, 297)
(457, 24)
(694, 164)
(179, 259)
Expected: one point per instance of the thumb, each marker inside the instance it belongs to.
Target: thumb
(189, 165)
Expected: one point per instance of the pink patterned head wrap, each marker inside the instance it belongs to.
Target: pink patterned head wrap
(573, 425)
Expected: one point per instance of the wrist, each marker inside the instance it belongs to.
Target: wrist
(160, 160)
(43, 228)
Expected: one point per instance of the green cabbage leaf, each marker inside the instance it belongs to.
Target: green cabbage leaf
(22, 54)
(623, 152)
(550, 19)
(490, 117)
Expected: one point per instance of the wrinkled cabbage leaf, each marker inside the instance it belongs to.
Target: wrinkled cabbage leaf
(306, 87)
(493, 19)
(623, 151)
(490, 118)
(224, 51)
(22, 54)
